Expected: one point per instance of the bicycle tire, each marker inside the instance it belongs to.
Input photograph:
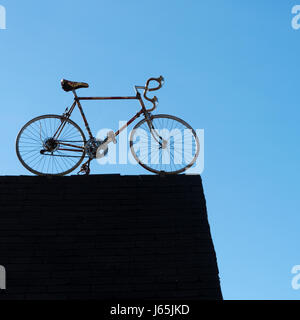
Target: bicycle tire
(39, 145)
(175, 170)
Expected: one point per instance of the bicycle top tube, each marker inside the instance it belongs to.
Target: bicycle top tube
(73, 86)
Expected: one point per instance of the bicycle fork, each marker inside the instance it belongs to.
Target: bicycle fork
(158, 138)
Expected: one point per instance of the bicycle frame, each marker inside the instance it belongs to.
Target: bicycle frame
(77, 100)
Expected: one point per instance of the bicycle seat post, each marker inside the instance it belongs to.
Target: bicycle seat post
(75, 94)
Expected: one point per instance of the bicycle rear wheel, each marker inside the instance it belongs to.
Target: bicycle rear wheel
(165, 144)
(50, 145)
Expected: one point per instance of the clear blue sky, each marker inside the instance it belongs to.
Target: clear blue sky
(231, 68)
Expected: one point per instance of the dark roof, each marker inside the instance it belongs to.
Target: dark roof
(106, 236)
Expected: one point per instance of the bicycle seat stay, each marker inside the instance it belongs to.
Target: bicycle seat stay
(72, 85)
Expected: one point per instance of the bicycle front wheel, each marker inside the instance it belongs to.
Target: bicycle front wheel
(164, 144)
(51, 145)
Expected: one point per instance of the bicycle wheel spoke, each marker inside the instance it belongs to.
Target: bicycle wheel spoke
(171, 147)
(40, 153)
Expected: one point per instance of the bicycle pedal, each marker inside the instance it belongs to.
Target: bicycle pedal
(85, 170)
(83, 173)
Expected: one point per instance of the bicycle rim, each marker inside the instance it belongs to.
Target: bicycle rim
(170, 147)
(42, 155)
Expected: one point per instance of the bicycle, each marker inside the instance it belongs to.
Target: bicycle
(55, 145)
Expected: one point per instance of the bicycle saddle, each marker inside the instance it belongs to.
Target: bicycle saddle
(71, 85)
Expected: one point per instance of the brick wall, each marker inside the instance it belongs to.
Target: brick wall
(106, 237)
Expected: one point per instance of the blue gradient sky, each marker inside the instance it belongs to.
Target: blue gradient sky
(231, 68)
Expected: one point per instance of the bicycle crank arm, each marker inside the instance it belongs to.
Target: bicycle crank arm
(102, 149)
